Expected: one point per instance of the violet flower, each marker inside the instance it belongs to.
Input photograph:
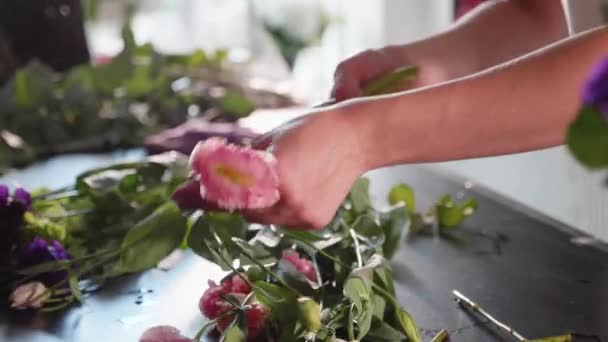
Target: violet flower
(595, 91)
(11, 218)
(39, 251)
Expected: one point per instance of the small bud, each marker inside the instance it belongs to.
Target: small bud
(30, 295)
(310, 313)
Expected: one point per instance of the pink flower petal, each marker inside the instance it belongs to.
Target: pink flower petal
(303, 265)
(235, 177)
(163, 333)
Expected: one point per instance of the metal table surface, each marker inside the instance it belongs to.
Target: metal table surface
(520, 266)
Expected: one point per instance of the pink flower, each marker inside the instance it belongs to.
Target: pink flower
(213, 306)
(30, 295)
(303, 265)
(235, 177)
(163, 333)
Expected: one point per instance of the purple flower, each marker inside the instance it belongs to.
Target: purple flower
(11, 218)
(3, 195)
(22, 198)
(39, 251)
(595, 92)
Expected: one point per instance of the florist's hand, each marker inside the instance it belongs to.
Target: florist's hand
(319, 157)
(354, 72)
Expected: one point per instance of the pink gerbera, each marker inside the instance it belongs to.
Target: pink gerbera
(235, 177)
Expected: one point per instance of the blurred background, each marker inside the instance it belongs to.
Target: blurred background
(294, 46)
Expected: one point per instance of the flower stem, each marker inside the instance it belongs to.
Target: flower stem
(200, 333)
(320, 251)
(462, 300)
(353, 235)
(441, 336)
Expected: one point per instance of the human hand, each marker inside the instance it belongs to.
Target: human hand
(319, 157)
(386, 70)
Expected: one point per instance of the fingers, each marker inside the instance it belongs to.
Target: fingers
(352, 73)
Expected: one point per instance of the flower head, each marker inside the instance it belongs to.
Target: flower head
(595, 92)
(303, 265)
(213, 305)
(30, 295)
(235, 177)
(39, 251)
(163, 333)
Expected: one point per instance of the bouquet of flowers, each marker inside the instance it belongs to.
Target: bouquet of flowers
(62, 245)
(284, 285)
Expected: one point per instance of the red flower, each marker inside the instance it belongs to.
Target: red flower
(303, 265)
(213, 306)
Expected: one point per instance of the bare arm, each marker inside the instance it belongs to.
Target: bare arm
(494, 33)
(520, 106)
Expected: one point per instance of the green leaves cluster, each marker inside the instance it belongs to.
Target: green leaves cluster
(98, 108)
(446, 214)
(114, 220)
(353, 297)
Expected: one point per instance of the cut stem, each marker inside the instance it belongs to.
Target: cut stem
(462, 300)
(441, 336)
(353, 235)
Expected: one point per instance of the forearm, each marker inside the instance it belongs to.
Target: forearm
(492, 34)
(524, 105)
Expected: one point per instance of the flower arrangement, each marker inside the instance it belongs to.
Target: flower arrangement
(120, 219)
(330, 285)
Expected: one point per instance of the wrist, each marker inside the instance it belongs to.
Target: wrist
(364, 119)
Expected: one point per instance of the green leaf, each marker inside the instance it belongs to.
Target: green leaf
(450, 214)
(280, 300)
(257, 252)
(152, 239)
(201, 239)
(33, 86)
(369, 230)
(382, 331)
(213, 231)
(236, 104)
(587, 138)
(359, 196)
(359, 292)
(394, 223)
(197, 58)
(405, 194)
(562, 338)
(233, 334)
(408, 326)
